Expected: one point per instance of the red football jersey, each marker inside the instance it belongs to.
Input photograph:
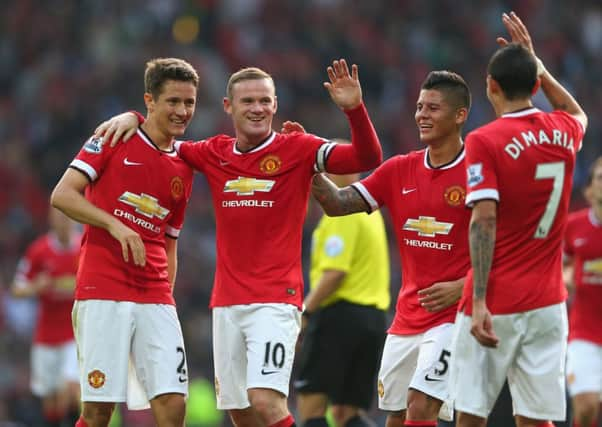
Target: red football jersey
(47, 256)
(431, 224)
(582, 242)
(145, 188)
(260, 200)
(525, 162)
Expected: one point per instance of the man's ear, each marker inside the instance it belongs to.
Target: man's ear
(492, 85)
(461, 115)
(149, 102)
(227, 105)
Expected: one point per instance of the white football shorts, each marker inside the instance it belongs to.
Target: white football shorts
(253, 347)
(129, 352)
(531, 354)
(584, 367)
(417, 361)
(52, 366)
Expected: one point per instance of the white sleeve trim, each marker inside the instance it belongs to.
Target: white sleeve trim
(486, 193)
(89, 170)
(172, 232)
(176, 145)
(366, 194)
(322, 155)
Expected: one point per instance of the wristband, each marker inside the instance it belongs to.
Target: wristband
(540, 67)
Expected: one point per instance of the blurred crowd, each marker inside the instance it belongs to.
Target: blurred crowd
(67, 65)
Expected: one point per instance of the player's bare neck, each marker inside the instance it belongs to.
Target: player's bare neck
(245, 144)
(162, 141)
(445, 152)
(508, 107)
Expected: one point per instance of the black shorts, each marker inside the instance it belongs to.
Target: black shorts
(340, 353)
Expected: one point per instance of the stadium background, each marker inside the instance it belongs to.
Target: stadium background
(66, 65)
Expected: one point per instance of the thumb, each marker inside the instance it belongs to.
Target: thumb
(502, 41)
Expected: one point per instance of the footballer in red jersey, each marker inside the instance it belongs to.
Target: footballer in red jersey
(424, 192)
(583, 264)
(132, 199)
(47, 271)
(519, 182)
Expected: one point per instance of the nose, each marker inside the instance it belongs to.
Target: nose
(256, 107)
(180, 109)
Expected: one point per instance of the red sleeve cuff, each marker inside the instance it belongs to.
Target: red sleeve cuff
(354, 112)
(140, 117)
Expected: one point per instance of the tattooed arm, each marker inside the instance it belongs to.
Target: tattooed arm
(482, 242)
(337, 201)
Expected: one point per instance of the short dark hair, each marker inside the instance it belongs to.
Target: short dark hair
(451, 84)
(595, 165)
(515, 70)
(248, 73)
(160, 70)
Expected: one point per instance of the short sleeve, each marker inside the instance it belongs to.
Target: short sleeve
(92, 158)
(375, 188)
(481, 177)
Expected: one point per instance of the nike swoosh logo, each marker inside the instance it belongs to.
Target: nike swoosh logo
(580, 242)
(409, 190)
(427, 378)
(128, 163)
(222, 163)
(182, 380)
(264, 372)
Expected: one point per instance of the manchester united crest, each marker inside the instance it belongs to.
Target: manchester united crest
(455, 195)
(177, 188)
(270, 164)
(96, 378)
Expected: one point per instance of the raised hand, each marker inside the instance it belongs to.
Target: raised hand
(290, 127)
(122, 126)
(344, 88)
(517, 30)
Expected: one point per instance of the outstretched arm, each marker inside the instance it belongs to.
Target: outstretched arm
(558, 96)
(365, 152)
(337, 201)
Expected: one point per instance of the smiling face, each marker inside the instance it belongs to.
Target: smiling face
(436, 119)
(171, 111)
(252, 105)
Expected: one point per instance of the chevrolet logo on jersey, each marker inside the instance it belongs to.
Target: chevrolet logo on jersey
(593, 266)
(248, 186)
(427, 226)
(144, 204)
